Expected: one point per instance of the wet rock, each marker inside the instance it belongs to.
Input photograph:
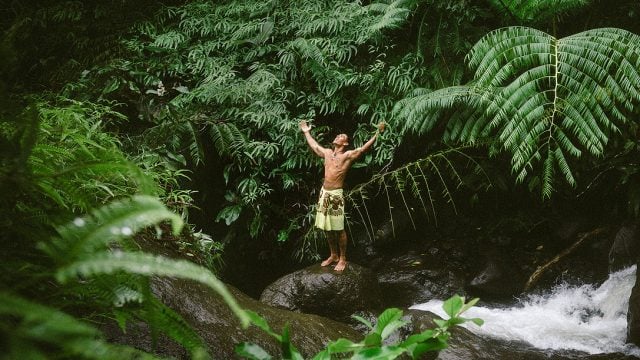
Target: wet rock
(633, 314)
(204, 310)
(322, 291)
(410, 279)
(500, 278)
(625, 247)
(209, 315)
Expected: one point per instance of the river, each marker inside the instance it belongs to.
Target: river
(587, 318)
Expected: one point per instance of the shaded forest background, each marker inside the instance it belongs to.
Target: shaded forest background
(197, 103)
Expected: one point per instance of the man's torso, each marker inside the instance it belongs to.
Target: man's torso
(335, 169)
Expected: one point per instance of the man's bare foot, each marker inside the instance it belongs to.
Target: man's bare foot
(342, 264)
(329, 261)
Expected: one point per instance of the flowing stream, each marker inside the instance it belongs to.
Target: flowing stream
(587, 318)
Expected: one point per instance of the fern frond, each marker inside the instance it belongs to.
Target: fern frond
(393, 14)
(38, 329)
(111, 223)
(169, 40)
(420, 179)
(147, 264)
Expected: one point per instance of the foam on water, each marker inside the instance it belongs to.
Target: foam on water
(585, 318)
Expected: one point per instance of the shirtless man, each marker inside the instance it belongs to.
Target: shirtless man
(330, 214)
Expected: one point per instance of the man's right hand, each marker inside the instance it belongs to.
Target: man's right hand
(304, 126)
(381, 127)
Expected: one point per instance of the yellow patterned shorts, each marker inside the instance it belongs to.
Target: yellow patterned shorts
(330, 212)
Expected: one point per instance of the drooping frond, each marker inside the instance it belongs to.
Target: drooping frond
(419, 185)
(148, 264)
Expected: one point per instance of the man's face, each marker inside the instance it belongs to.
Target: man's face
(341, 139)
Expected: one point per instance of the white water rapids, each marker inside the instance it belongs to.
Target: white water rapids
(585, 318)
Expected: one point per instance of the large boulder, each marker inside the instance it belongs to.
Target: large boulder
(212, 319)
(323, 291)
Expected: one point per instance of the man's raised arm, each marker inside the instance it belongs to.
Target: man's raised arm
(364, 148)
(313, 144)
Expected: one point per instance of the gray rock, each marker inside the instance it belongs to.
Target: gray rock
(322, 291)
(500, 278)
(624, 250)
(212, 319)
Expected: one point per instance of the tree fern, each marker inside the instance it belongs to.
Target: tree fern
(542, 98)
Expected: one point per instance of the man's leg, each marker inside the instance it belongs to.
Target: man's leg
(342, 242)
(333, 248)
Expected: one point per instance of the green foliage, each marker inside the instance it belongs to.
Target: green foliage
(239, 76)
(535, 11)
(373, 345)
(61, 162)
(69, 147)
(83, 252)
(539, 98)
(37, 332)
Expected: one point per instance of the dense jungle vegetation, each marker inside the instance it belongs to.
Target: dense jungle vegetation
(128, 123)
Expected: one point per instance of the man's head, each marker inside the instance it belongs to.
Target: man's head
(341, 140)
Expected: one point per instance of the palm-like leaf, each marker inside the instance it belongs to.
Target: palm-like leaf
(541, 98)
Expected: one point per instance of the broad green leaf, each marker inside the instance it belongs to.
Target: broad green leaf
(391, 327)
(323, 355)
(440, 323)
(363, 320)
(372, 339)
(418, 338)
(386, 318)
(468, 305)
(453, 305)
(342, 345)
(252, 351)
(416, 350)
(379, 353)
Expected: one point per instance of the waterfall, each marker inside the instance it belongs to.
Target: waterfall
(585, 318)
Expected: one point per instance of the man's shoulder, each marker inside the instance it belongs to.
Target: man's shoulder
(353, 153)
